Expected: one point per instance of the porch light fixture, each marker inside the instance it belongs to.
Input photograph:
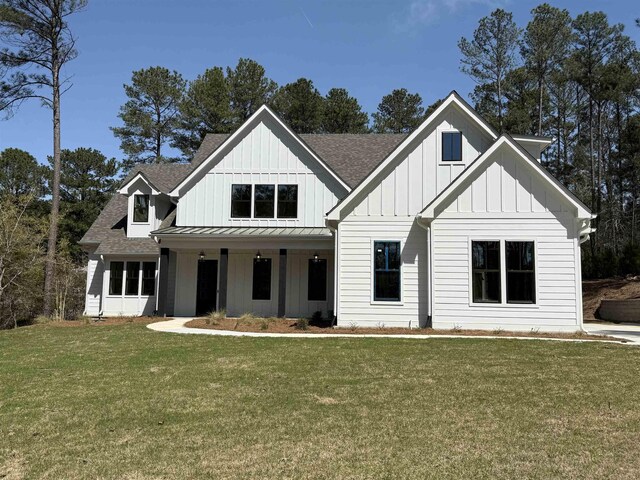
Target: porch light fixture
(316, 257)
(201, 256)
(258, 256)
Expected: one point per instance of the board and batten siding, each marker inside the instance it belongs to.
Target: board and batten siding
(266, 155)
(95, 271)
(508, 201)
(421, 175)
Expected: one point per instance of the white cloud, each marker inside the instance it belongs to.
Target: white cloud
(424, 12)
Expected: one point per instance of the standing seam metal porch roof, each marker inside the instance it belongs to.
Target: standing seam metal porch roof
(246, 231)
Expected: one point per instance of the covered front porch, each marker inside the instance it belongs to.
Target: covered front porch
(284, 272)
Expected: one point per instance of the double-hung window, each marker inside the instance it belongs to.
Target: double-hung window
(241, 201)
(387, 260)
(141, 208)
(264, 199)
(115, 278)
(485, 258)
(451, 146)
(521, 278)
(287, 201)
(487, 266)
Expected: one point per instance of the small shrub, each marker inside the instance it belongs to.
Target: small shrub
(380, 325)
(498, 331)
(214, 317)
(84, 319)
(316, 317)
(247, 317)
(353, 325)
(264, 324)
(302, 324)
(457, 328)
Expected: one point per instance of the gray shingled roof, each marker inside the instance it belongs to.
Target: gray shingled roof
(351, 156)
(117, 243)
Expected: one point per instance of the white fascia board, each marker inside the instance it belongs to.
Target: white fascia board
(544, 142)
(246, 126)
(124, 190)
(452, 98)
(429, 211)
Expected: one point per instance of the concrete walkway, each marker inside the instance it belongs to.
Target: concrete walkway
(176, 325)
(628, 331)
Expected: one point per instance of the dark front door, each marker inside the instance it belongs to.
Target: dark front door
(207, 287)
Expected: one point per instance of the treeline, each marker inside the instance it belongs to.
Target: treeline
(164, 110)
(576, 80)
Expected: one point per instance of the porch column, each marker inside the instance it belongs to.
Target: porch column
(163, 281)
(222, 282)
(282, 283)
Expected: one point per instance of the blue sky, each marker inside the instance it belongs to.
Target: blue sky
(369, 47)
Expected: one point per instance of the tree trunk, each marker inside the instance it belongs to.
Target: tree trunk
(540, 94)
(50, 267)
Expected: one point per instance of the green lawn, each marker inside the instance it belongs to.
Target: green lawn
(126, 402)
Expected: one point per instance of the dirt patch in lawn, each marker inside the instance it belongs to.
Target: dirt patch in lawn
(287, 325)
(594, 291)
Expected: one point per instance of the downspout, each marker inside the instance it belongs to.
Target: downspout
(427, 226)
(104, 270)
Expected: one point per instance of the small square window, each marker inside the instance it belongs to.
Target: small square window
(451, 146)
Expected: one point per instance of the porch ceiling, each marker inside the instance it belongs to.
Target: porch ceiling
(315, 232)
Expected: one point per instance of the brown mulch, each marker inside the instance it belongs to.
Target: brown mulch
(105, 321)
(287, 325)
(594, 291)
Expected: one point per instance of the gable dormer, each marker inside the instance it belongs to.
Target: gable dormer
(146, 206)
(263, 175)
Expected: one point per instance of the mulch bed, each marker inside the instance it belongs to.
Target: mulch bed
(287, 325)
(94, 322)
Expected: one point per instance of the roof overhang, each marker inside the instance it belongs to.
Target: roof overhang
(263, 112)
(452, 99)
(126, 188)
(543, 142)
(430, 212)
(243, 232)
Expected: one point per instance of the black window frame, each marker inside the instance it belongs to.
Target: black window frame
(282, 188)
(116, 280)
(148, 281)
(261, 287)
(317, 280)
(485, 270)
(513, 273)
(129, 279)
(268, 204)
(447, 140)
(145, 208)
(385, 268)
(244, 202)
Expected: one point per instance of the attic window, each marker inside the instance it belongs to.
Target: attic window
(451, 146)
(141, 208)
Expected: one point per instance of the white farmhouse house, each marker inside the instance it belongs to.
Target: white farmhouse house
(450, 226)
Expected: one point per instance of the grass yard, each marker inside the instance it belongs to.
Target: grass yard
(120, 401)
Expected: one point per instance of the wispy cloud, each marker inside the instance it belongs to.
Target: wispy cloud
(425, 12)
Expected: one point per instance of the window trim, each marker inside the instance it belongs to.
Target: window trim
(500, 271)
(275, 203)
(440, 146)
(503, 273)
(372, 264)
(535, 274)
(231, 201)
(133, 208)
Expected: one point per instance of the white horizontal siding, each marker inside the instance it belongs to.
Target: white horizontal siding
(556, 307)
(266, 155)
(355, 237)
